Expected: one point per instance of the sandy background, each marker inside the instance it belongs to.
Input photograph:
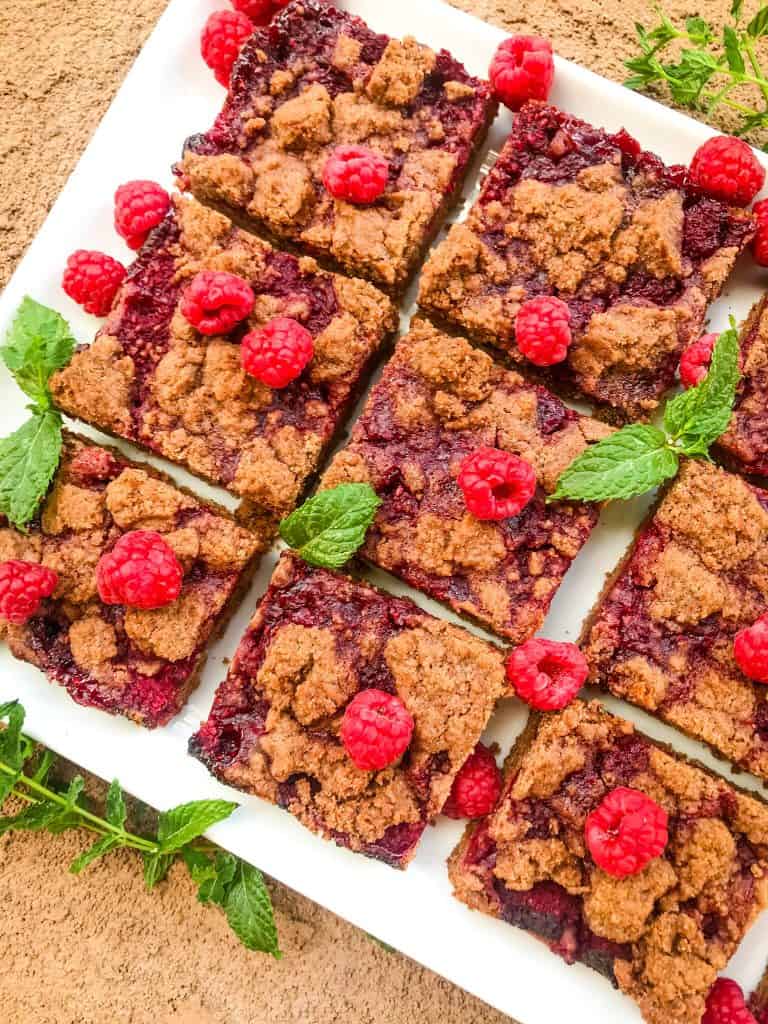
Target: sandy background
(100, 950)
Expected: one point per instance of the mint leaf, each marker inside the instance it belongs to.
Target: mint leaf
(629, 462)
(156, 867)
(759, 24)
(732, 49)
(698, 416)
(28, 460)
(212, 875)
(99, 848)
(38, 343)
(13, 747)
(115, 805)
(186, 822)
(329, 528)
(249, 911)
(32, 819)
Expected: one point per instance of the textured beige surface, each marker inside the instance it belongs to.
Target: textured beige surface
(99, 950)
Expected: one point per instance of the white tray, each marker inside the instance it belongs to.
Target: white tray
(167, 95)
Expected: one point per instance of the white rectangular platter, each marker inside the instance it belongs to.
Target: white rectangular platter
(167, 95)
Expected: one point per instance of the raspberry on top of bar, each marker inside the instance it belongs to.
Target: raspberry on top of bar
(135, 661)
(317, 79)
(440, 401)
(154, 378)
(317, 640)
(661, 934)
(576, 213)
(662, 635)
(745, 443)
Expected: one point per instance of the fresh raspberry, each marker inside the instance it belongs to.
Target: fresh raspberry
(476, 787)
(522, 69)
(750, 649)
(139, 207)
(220, 41)
(547, 674)
(626, 832)
(22, 586)
(376, 729)
(259, 11)
(277, 353)
(92, 279)
(496, 484)
(726, 1005)
(140, 571)
(760, 241)
(543, 330)
(356, 174)
(727, 169)
(694, 362)
(214, 301)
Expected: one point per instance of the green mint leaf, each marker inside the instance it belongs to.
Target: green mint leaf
(736, 8)
(699, 30)
(115, 805)
(249, 911)
(212, 875)
(14, 749)
(631, 461)
(28, 460)
(698, 416)
(38, 343)
(33, 818)
(156, 867)
(99, 848)
(329, 528)
(186, 822)
(42, 770)
(732, 49)
(759, 24)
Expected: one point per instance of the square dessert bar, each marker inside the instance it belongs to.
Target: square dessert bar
(662, 634)
(439, 400)
(745, 443)
(150, 377)
(661, 935)
(315, 79)
(142, 664)
(572, 211)
(316, 640)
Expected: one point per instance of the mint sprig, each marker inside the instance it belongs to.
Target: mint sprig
(330, 526)
(221, 878)
(38, 343)
(640, 456)
(709, 65)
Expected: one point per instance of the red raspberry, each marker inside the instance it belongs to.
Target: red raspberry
(543, 331)
(496, 484)
(140, 571)
(626, 832)
(476, 787)
(547, 674)
(139, 207)
(92, 279)
(726, 1005)
(277, 353)
(522, 69)
(376, 729)
(694, 362)
(760, 242)
(214, 301)
(727, 169)
(750, 649)
(221, 39)
(356, 174)
(259, 11)
(22, 586)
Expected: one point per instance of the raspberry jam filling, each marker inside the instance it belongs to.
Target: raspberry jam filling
(746, 441)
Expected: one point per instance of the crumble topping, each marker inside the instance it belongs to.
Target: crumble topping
(72, 508)
(93, 642)
(398, 77)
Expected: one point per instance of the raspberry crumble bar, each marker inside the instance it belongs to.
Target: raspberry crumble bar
(569, 210)
(317, 639)
(745, 443)
(318, 78)
(662, 634)
(438, 401)
(130, 661)
(660, 935)
(152, 378)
